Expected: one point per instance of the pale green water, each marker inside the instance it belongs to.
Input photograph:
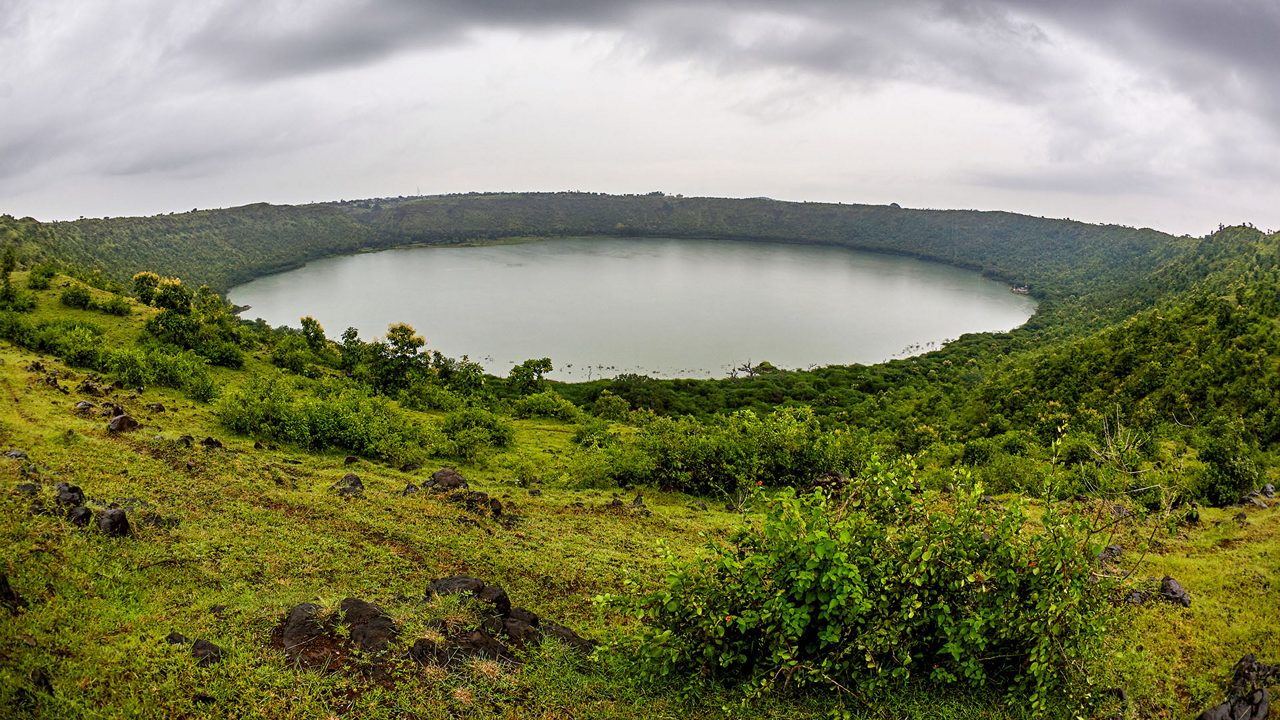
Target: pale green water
(666, 308)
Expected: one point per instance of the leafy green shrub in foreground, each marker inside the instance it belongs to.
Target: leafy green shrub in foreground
(864, 589)
(472, 430)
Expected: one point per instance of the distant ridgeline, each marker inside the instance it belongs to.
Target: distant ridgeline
(1058, 260)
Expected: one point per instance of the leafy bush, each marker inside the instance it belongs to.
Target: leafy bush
(41, 276)
(321, 415)
(475, 422)
(76, 296)
(114, 305)
(864, 589)
(548, 404)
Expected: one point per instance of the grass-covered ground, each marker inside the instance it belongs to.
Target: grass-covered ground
(242, 533)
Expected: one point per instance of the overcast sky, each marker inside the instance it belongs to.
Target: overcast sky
(1160, 113)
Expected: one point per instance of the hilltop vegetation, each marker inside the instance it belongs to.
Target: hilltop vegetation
(868, 539)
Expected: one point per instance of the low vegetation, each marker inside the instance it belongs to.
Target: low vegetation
(1070, 520)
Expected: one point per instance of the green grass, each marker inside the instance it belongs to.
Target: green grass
(260, 531)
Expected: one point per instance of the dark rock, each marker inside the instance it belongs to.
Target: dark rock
(1258, 502)
(948, 488)
(89, 388)
(159, 521)
(69, 494)
(27, 488)
(411, 467)
(1119, 511)
(257, 445)
(1110, 553)
(211, 443)
(349, 486)
(567, 636)
(186, 441)
(410, 489)
(832, 481)
(9, 599)
(637, 503)
(16, 455)
(84, 407)
(535, 492)
(80, 516)
(176, 638)
(455, 584)
(1254, 706)
(156, 407)
(448, 478)
(476, 644)
(350, 460)
(217, 610)
(519, 632)
(39, 508)
(1240, 518)
(202, 699)
(370, 628)
(497, 597)
(1269, 491)
(1249, 675)
(304, 636)
(114, 522)
(1172, 591)
(122, 423)
(523, 615)
(206, 653)
(1139, 597)
(428, 652)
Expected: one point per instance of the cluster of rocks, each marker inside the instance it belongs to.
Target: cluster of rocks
(635, 507)
(446, 481)
(1256, 497)
(204, 651)
(70, 503)
(361, 636)
(1247, 695)
(1170, 591)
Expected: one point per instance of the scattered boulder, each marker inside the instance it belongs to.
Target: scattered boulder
(567, 636)
(410, 489)
(350, 460)
(448, 478)
(411, 467)
(16, 455)
(497, 597)
(1110, 553)
(349, 486)
(1269, 491)
(833, 481)
(122, 423)
(1172, 591)
(476, 644)
(156, 407)
(206, 653)
(88, 388)
(114, 523)
(211, 443)
(27, 488)
(477, 502)
(455, 585)
(370, 629)
(304, 636)
(80, 516)
(1247, 696)
(84, 407)
(185, 440)
(176, 638)
(68, 494)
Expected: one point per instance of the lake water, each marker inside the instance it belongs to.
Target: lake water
(599, 307)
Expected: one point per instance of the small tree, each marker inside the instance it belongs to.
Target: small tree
(145, 285)
(528, 377)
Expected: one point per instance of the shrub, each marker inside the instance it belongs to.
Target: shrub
(76, 296)
(865, 589)
(546, 404)
(114, 305)
(476, 427)
(41, 276)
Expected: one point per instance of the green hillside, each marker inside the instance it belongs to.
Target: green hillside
(912, 539)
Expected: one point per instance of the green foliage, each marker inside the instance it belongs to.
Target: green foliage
(41, 276)
(788, 447)
(472, 430)
(528, 377)
(322, 415)
(609, 406)
(867, 588)
(76, 296)
(548, 404)
(145, 285)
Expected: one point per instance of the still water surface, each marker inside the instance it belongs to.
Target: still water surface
(666, 308)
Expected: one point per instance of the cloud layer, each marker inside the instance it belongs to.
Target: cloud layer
(1164, 113)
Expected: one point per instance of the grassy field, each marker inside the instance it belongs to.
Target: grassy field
(226, 540)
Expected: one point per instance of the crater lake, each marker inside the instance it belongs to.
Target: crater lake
(600, 307)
